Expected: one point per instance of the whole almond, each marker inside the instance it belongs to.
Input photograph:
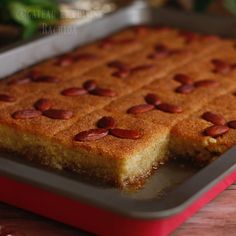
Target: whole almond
(72, 92)
(166, 107)
(124, 73)
(218, 62)
(26, 114)
(58, 114)
(20, 81)
(152, 99)
(103, 92)
(222, 69)
(106, 43)
(33, 74)
(9, 231)
(233, 66)
(161, 48)
(7, 98)
(91, 135)
(106, 122)
(126, 134)
(232, 124)
(43, 104)
(183, 79)
(90, 85)
(185, 89)
(45, 79)
(189, 37)
(27, 78)
(216, 130)
(118, 65)
(221, 66)
(140, 109)
(214, 118)
(158, 55)
(141, 30)
(206, 83)
(64, 61)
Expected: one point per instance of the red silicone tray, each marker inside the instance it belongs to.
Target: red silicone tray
(105, 212)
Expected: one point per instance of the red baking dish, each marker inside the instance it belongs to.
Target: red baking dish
(169, 197)
(105, 212)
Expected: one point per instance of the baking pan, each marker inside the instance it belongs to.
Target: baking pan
(168, 198)
(22, 55)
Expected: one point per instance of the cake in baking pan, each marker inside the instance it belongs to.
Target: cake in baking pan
(117, 108)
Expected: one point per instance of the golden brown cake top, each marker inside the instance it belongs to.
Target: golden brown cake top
(64, 96)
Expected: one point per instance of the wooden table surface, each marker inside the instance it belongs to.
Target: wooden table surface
(215, 219)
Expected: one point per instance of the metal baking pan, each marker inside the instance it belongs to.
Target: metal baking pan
(167, 199)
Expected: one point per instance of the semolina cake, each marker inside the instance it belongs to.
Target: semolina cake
(117, 108)
(207, 133)
(112, 158)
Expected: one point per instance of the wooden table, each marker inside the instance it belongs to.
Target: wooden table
(216, 219)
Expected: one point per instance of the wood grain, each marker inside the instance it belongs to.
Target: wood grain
(215, 219)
